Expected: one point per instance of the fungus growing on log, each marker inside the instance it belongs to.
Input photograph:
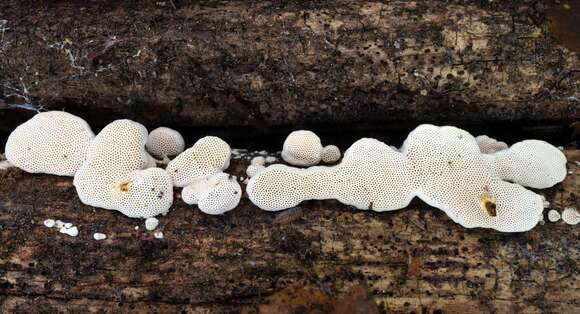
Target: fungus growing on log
(488, 145)
(370, 176)
(443, 166)
(208, 156)
(164, 143)
(114, 177)
(330, 154)
(253, 170)
(571, 216)
(531, 163)
(302, 148)
(53, 142)
(455, 177)
(214, 195)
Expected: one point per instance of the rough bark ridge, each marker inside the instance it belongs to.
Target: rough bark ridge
(322, 257)
(269, 63)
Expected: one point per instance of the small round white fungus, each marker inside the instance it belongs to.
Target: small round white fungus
(165, 142)
(258, 161)
(271, 159)
(73, 231)
(151, 223)
(553, 215)
(253, 170)
(158, 235)
(330, 154)
(571, 216)
(49, 223)
(99, 236)
(302, 148)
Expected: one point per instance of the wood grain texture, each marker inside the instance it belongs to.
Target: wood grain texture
(319, 259)
(269, 63)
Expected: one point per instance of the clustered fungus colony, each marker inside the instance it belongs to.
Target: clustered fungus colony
(476, 181)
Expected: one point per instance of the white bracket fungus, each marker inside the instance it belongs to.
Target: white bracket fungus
(302, 148)
(99, 236)
(208, 156)
(571, 216)
(164, 143)
(443, 166)
(371, 175)
(215, 195)
(488, 145)
(53, 142)
(330, 154)
(113, 175)
(553, 215)
(151, 223)
(531, 163)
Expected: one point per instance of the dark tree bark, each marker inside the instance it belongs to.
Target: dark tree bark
(270, 63)
(321, 257)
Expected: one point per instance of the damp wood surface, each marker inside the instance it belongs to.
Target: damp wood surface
(264, 64)
(322, 257)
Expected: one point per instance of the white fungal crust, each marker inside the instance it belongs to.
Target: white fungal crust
(370, 176)
(258, 161)
(215, 195)
(455, 177)
(53, 142)
(531, 163)
(571, 216)
(488, 145)
(253, 170)
(208, 156)
(302, 148)
(112, 176)
(553, 215)
(165, 142)
(330, 154)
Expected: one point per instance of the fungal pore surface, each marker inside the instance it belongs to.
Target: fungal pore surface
(116, 176)
(53, 142)
(214, 195)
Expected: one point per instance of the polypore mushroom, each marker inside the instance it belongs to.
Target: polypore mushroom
(532, 163)
(113, 174)
(258, 161)
(455, 177)
(53, 142)
(302, 148)
(330, 154)
(208, 156)
(553, 215)
(370, 176)
(571, 216)
(165, 143)
(488, 145)
(214, 195)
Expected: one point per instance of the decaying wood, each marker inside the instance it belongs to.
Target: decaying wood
(270, 63)
(321, 258)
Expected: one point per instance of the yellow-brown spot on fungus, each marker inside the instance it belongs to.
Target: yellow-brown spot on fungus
(123, 186)
(488, 205)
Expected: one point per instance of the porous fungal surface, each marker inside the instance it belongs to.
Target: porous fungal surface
(370, 176)
(208, 156)
(488, 145)
(214, 195)
(113, 175)
(53, 142)
(531, 163)
(330, 154)
(571, 216)
(441, 165)
(302, 148)
(455, 177)
(553, 215)
(165, 142)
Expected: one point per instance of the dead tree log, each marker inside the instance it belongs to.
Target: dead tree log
(271, 63)
(323, 257)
